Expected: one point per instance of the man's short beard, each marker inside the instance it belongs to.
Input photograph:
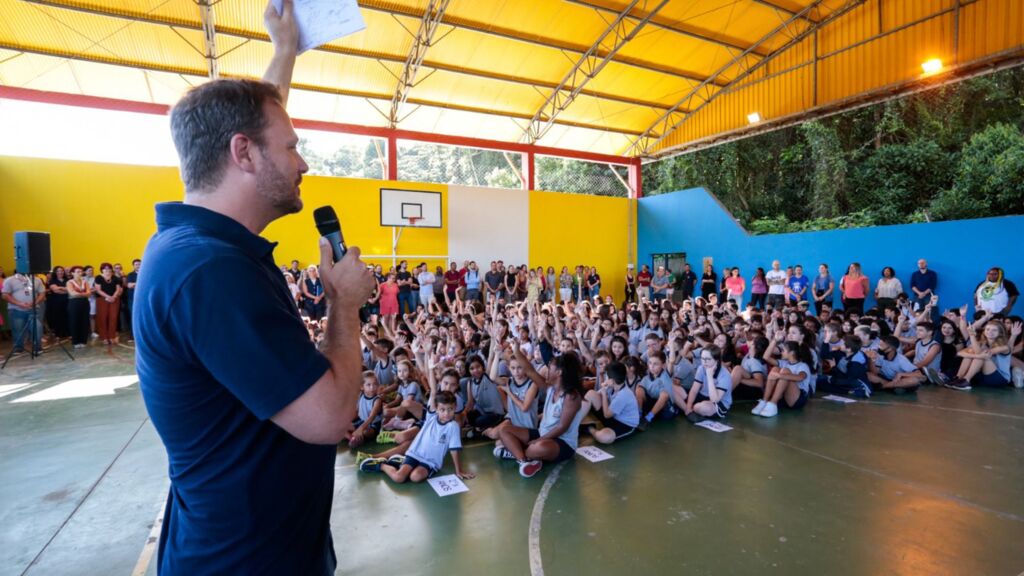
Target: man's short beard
(278, 189)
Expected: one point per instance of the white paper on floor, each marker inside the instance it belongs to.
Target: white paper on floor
(714, 426)
(593, 453)
(448, 485)
(840, 399)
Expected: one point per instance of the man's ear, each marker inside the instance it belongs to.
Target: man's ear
(243, 153)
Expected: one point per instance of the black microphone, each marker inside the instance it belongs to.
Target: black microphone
(329, 227)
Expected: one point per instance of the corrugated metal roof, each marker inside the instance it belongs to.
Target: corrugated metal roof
(692, 73)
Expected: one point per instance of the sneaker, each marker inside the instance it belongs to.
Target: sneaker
(502, 453)
(1018, 378)
(760, 406)
(959, 384)
(530, 468)
(78, 346)
(643, 425)
(933, 376)
(361, 456)
(395, 460)
(386, 437)
(695, 418)
(770, 410)
(861, 391)
(371, 464)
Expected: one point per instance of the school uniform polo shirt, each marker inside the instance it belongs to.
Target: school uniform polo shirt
(220, 349)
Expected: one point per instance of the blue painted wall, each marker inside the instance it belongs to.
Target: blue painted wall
(960, 252)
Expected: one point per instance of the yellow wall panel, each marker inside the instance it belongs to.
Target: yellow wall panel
(104, 212)
(846, 69)
(571, 229)
(990, 26)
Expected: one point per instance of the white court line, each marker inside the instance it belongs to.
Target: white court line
(142, 566)
(933, 407)
(536, 564)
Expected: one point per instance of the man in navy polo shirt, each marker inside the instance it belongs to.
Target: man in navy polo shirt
(249, 412)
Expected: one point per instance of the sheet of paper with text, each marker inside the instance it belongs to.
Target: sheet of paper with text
(323, 21)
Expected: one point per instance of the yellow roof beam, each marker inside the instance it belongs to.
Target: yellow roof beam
(339, 50)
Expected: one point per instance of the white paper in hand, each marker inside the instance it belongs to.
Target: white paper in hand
(840, 399)
(448, 485)
(323, 21)
(714, 426)
(593, 453)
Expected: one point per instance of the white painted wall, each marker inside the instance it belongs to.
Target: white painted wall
(487, 224)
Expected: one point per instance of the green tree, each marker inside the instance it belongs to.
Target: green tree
(989, 178)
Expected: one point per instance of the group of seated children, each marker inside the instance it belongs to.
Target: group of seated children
(530, 376)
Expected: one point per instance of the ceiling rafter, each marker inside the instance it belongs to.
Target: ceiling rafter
(677, 27)
(341, 51)
(421, 42)
(673, 118)
(619, 32)
(800, 14)
(185, 71)
(209, 37)
(490, 29)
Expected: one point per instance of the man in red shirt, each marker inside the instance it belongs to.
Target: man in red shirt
(452, 279)
(643, 279)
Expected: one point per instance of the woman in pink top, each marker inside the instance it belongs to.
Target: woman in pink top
(389, 300)
(854, 287)
(758, 289)
(735, 285)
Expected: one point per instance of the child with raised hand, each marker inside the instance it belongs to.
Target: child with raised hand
(484, 404)
(439, 434)
(368, 413)
(521, 396)
(557, 435)
(655, 394)
(711, 394)
(615, 405)
(790, 381)
(987, 361)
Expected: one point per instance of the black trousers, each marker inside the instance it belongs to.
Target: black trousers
(78, 320)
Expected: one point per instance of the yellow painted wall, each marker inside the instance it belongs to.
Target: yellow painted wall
(571, 229)
(104, 212)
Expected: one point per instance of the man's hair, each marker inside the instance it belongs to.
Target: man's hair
(207, 117)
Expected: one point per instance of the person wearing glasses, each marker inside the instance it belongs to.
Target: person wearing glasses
(711, 394)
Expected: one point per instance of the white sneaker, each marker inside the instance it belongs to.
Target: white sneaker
(770, 410)
(1018, 377)
(757, 409)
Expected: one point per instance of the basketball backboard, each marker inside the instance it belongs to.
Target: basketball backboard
(402, 208)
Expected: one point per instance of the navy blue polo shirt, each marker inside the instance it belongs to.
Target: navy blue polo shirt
(221, 348)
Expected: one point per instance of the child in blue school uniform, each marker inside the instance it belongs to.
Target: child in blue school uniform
(615, 405)
(439, 435)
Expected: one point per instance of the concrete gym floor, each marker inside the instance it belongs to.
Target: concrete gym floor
(932, 484)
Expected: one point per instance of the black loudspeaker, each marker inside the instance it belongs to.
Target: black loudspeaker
(31, 252)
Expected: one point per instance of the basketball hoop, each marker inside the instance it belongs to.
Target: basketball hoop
(412, 221)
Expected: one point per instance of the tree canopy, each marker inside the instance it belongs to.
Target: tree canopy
(953, 152)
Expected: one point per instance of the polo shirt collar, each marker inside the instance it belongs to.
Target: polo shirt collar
(174, 214)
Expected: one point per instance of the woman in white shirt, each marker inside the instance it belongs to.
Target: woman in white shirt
(888, 288)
